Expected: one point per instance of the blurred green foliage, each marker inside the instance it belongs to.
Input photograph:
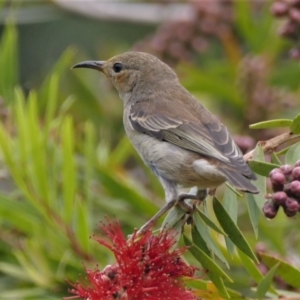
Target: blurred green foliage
(65, 165)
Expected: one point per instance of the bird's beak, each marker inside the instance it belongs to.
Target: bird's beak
(91, 64)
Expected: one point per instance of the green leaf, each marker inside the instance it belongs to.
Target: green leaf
(295, 125)
(205, 234)
(275, 159)
(261, 181)
(286, 271)
(9, 62)
(253, 212)
(90, 157)
(68, 168)
(204, 80)
(230, 204)
(115, 187)
(266, 282)
(233, 189)
(82, 225)
(251, 267)
(25, 293)
(256, 202)
(37, 149)
(231, 229)
(272, 124)
(175, 214)
(209, 222)
(52, 101)
(205, 260)
(293, 154)
(214, 272)
(199, 241)
(261, 167)
(121, 153)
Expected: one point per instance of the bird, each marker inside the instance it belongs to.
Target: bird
(176, 136)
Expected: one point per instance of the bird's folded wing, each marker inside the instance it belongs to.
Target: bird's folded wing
(207, 137)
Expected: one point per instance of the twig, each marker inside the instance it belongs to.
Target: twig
(273, 143)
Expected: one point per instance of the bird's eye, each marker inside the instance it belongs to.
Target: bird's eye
(117, 67)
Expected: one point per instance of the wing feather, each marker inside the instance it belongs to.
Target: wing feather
(195, 130)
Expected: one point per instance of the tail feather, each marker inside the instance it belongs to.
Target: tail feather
(239, 181)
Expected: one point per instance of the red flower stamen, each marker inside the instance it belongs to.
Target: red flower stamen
(146, 269)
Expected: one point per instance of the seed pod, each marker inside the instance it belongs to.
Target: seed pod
(297, 164)
(279, 9)
(276, 170)
(296, 173)
(291, 207)
(270, 209)
(295, 188)
(287, 171)
(295, 14)
(277, 180)
(279, 198)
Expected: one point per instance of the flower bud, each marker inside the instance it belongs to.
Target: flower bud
(295, 187)
(297, 164)
(286, 169)
(270, 209)
(296, 173)
(279, 198)
(277, 180)
(279, 9)
(294, 53)
(295, 14)
(291, 207)
(276, 170)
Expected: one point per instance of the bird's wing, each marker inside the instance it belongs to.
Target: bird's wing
(198, 131)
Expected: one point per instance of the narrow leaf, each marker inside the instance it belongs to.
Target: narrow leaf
(230, 204)
(261, 167)
(213, 271)
(231, 229)
(251, 267)
(293, 154)
(261, 181)
(253, 212)
(275, 159)
(209, 222)
(199, 241)
(266, 282)
(211, 244)
(69, 168)
(286, 271)
(205, 260)
(295, 125)
(82, 225)
(173, 216)
(272, 124)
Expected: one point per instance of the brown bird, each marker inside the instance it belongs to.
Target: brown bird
(176, 136)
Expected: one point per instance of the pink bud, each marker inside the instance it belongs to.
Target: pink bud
(295, 187)
(296, 173)
(295, 14)
(270, 210)
(279, 9)
(279, 198)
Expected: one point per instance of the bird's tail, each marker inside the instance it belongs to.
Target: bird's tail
(239, 181)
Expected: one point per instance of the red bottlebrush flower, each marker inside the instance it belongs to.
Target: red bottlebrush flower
(146, 269)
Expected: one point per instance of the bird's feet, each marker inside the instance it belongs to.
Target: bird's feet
(187, 202)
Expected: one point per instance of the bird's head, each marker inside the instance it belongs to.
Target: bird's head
(132, 70)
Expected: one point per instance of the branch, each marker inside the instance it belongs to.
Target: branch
(272, 144)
